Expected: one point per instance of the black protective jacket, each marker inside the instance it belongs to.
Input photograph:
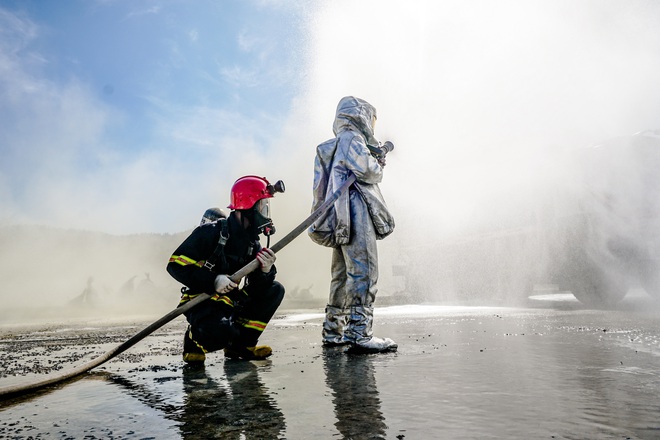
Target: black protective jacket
(186, 264)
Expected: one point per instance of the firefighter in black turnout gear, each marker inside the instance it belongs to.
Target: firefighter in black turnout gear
(235, 316)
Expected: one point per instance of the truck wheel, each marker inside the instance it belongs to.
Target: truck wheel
(596, 289)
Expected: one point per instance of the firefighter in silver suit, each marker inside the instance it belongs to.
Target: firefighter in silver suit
(351, 227)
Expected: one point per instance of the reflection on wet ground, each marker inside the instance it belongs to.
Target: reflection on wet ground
(354, 394)
(240, 408)
(461, 372)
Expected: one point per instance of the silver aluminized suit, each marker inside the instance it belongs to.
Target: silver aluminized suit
(358, 218)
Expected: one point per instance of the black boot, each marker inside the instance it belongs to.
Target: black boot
(193, 353)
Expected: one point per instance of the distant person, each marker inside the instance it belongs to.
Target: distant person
(128, 288)
(88, 297)
(146, 287)
(233, 318)
(359, 218)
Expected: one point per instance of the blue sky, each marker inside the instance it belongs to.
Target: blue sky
(135, 54)
(135, 116)
(90, 88)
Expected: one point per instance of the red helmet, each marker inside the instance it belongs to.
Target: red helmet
(248, 190)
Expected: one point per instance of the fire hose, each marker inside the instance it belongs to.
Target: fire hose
(18, 390)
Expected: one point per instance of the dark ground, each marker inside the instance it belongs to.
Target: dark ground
(553, 370)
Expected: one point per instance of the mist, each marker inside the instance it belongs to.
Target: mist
(489, 105)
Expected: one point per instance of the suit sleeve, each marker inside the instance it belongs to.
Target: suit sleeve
(186, 265)
(359, 160)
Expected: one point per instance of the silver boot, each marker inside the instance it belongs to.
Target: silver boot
(334, 325)
(374, 345)
(359, 333)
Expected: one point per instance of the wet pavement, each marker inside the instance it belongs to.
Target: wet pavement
(550, 371)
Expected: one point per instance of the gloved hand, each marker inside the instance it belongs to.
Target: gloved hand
(267, 258)
(223, 284)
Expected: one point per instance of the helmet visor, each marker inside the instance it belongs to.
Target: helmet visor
(262, 207)
(262, 220)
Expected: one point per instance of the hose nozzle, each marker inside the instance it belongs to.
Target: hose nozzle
(381, 151)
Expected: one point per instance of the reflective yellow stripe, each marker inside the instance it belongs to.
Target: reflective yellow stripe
(185, 261)
(186, 297)
(255, 325)
(223, 299)
(197, 344)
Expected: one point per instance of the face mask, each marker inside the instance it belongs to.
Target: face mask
(262, 220)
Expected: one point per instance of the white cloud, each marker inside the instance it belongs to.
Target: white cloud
(16, 31)
(239, 76)
(250, 43)
(142, 12)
